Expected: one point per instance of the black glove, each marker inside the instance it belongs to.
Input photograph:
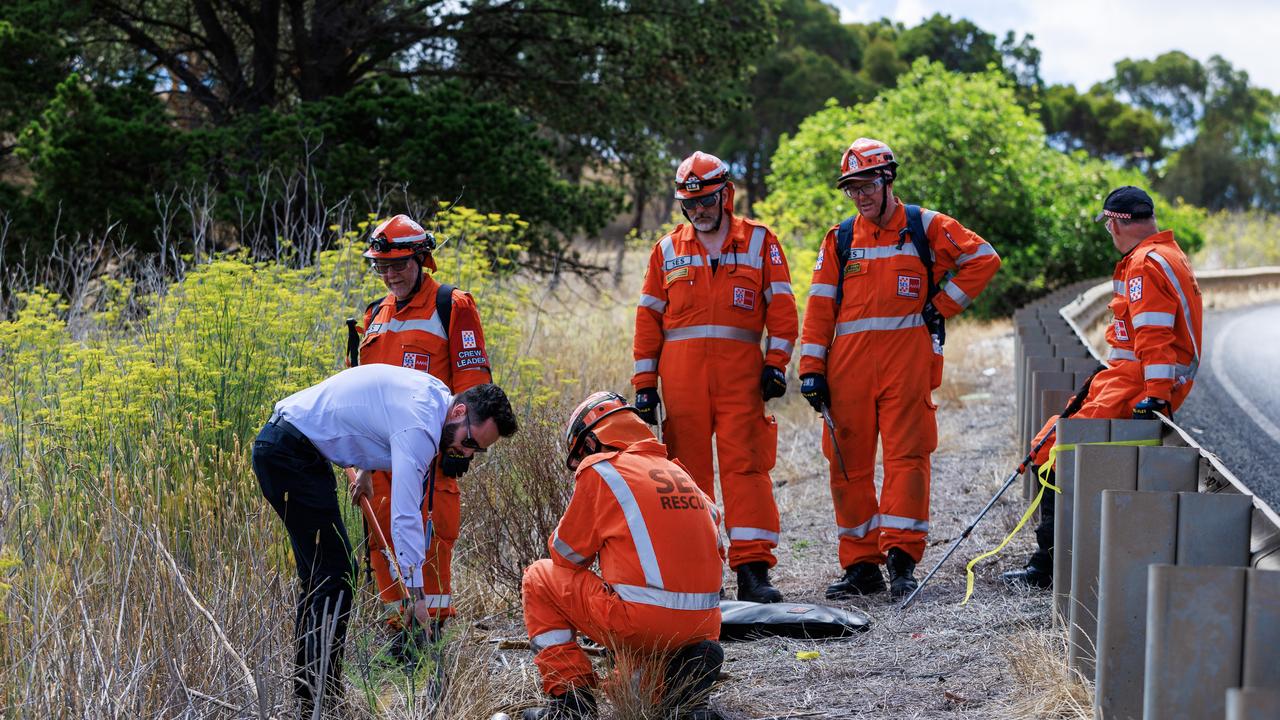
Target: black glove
(647, 403)
(1146, 409)
(813, 386)
(773, 383)
(931, 315)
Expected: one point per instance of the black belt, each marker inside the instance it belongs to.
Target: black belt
(288, 428)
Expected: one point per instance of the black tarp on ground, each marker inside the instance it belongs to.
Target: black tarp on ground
(751, 621)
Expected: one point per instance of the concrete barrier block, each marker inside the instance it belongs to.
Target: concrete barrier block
(1031, 366)
(1135, 429)
(1098, 468)
(1195, 635)
(1252, 703)
(1262, 630)
(1070, 432)
(1051, 403)
(1082, 366)
(1168, 469)
(1213, 529)
(1042, 381)
(1138, 530)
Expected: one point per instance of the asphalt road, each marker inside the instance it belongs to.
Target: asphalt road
(1234, 408)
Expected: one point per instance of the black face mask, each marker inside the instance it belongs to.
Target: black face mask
(454, 466)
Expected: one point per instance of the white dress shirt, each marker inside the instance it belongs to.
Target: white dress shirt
(380, 417)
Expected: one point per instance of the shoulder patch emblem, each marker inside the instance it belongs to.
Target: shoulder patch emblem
(468, 339)
(1135, 289)
(822, 252)
(775, 255)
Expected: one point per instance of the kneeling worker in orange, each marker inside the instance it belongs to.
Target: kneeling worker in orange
(874, 325)
(434, 328)
(1154, 339)
(713, 286)
(656, 538)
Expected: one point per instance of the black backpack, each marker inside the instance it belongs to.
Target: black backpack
(914, 228)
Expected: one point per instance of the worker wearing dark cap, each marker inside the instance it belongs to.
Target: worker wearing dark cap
(1154, 342)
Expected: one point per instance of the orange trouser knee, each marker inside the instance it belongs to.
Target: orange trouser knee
(746, 444)
(437, 570)
(898, 411)
(560, 603)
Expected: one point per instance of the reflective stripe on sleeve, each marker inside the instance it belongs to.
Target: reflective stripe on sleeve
(813, 350)
(711, 332)
(648, 365)
(898, 522)
(1153, 319)
(926, 218)
(822, 290)
(431, 325)
(750, 533)
(1158, 372)
(635, 521)
(653, 303)
(778, 288)
(550, 638)
(1121, 354)
(1117, 286)
(567, 552)
(983, 250)
(667, 599)
(780, 344)
(1186, 312)
(954, 292)
(879, 323)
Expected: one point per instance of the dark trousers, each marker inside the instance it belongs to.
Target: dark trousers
(299, 484)
(1042, 558)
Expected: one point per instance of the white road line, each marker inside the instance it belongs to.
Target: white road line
(1220, 374)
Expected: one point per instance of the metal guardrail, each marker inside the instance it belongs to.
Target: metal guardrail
(1088, 310)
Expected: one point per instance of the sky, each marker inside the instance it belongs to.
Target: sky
(1080, 41)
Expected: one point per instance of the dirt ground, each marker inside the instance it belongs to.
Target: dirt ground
(937, 659)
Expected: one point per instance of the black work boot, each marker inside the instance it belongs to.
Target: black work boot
(754, 585)
(688, 679)
(576, 704)
(902, 578)
(1039, 570)
(862, 578)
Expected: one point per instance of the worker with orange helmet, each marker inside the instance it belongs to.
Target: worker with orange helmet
(874, 326)
(423, 325)
(655, 537)
(1154, 339)
(712, 288)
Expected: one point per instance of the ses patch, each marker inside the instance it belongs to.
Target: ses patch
(1135, 289)
(468, 339)
(1122, 332)
(775, 255)
(909, 286)
(678, 262)
(744, 298)
(822, 252)
(417, 361)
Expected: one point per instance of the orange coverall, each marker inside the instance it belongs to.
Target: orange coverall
(700, 332)
(657, 540)
(414, 337)
(881, 366)
(1154, 337)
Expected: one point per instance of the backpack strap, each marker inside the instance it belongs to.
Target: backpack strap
(844, 241)
(444, 305)
(936, 325)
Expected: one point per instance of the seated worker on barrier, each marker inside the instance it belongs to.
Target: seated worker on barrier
(1154, 340)
(661, 559)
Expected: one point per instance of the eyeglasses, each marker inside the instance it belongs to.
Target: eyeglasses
(468, 442)
(704, 201)
(864, 189)
(382, 267)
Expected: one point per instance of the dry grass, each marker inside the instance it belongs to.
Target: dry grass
(1035, 660)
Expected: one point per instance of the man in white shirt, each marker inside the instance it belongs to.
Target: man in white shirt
(371, 417)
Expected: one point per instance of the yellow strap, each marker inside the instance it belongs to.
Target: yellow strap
(1043, 477)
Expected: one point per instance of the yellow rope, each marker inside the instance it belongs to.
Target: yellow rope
(1043, 477)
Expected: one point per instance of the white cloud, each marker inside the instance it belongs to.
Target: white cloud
(1081, 41)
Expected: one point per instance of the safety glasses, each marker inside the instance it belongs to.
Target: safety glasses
(382, 267)
(704, 201)
(863, 189)
(468, 442)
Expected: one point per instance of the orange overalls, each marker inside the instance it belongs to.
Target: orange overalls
(656, 537)
(700, 332)
(1154, 337)
(414, 337)
(881, 366)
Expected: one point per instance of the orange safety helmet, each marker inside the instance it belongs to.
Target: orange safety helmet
(867, 157)
(700, 174)
(399, 237)
(588, 415)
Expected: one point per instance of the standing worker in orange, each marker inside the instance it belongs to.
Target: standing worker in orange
(874, 324)
(423, 325)
(657, 540)
(713, 286)
(1154, 339)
